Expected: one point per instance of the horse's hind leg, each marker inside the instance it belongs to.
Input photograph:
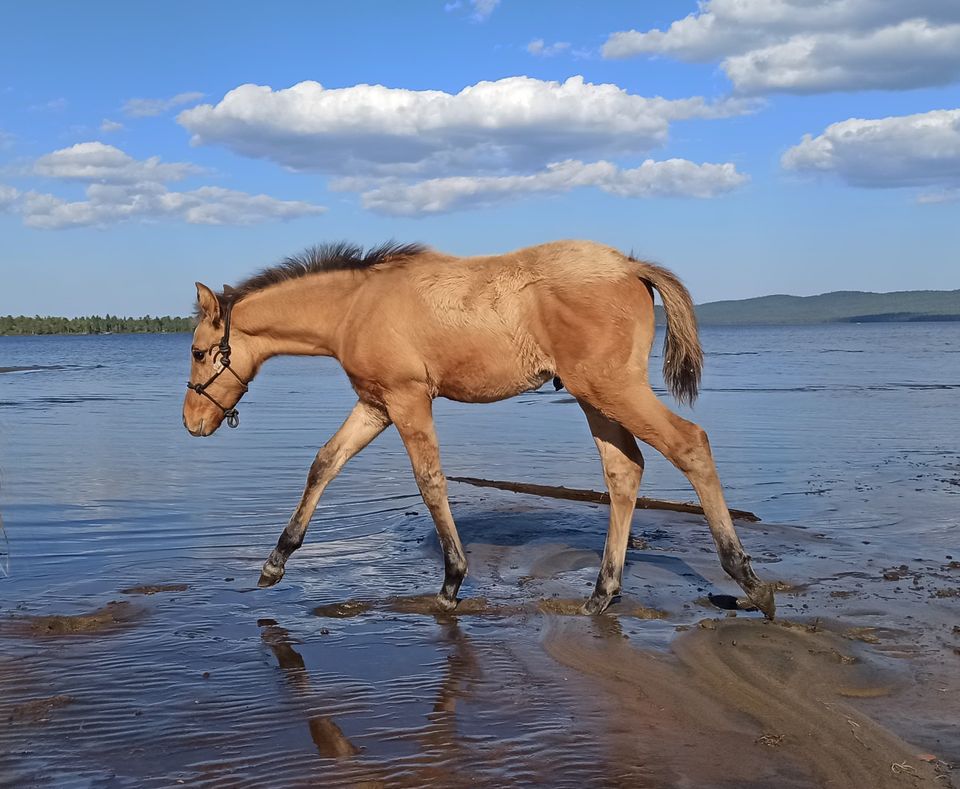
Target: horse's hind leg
(363, 425)
(684, 444)
(622, 470)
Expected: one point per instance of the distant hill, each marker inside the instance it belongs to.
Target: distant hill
(842, 306)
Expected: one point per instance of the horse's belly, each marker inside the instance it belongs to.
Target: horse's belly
(473, 389)
(489, 376)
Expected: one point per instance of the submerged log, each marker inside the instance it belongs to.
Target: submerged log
(579, 494)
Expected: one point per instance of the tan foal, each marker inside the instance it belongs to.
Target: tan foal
(409, 324)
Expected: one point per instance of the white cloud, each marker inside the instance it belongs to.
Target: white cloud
(670, 178)
(120, 188)
(806, 46)
(107, 126)
(539, 48)
(97, 161)
(143, 108)
(54, 105)
(482, 9)
(8, 196)
(490, 127)
(939, 196)
(900, 151)
(912, 54)
(111, 203)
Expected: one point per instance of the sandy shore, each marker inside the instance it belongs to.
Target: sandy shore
(855, 684)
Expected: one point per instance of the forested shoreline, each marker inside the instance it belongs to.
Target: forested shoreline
(93, 324)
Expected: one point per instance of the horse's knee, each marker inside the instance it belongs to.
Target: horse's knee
(432, 483)
(623, 478)
(325, 460)
(693, 455)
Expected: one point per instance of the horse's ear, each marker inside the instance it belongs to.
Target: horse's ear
(208, 302)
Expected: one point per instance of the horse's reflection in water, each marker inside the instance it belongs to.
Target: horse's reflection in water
(462, 668)
(326, 735)
(437, 739)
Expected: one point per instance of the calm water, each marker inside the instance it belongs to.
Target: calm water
(850, 431)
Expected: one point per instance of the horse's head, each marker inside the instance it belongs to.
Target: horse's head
(222, 364)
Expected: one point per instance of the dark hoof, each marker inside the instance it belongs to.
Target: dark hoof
(445, 603)
(596, 605)
(269, 576)
(762, 598)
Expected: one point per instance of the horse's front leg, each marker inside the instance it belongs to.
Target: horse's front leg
(412, 413)
(363, 425)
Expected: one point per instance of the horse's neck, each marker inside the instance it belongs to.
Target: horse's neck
(299, 317)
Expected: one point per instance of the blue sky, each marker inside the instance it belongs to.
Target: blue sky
(136, 155)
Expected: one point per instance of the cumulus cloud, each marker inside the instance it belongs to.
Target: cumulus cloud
(480, 10)
(541, 49)
(97, 161)
(801, 46)
(8, 196)
(120, 188)
(144, 108)
(107, 126)
(670, 178)
(912, 54)
(111, 203)
(899, 151)
(510, 124)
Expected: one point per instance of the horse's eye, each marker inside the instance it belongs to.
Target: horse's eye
(198, 355)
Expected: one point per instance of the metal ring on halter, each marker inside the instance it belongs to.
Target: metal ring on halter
(230, 415)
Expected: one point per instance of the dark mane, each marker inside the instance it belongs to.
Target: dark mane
(337, 256)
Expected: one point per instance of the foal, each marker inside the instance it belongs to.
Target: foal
(409, 324)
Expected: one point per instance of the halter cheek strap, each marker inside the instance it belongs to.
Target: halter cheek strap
(231, 415)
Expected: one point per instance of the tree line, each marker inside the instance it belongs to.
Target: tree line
(93, 324)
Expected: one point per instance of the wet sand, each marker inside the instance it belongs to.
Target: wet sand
(112, 616)
(849, 687)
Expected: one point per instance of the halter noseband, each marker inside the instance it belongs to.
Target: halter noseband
(231, 415)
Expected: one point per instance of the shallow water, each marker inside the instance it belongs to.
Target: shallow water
(843, 439)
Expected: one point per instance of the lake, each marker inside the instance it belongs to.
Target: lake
(844, 439)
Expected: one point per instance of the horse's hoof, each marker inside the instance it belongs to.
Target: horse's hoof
(269, 576)
(763, 599)
(446, 603)
(596, 605)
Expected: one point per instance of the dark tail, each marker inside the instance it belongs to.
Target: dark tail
(682, 354)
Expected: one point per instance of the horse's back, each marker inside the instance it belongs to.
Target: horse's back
(488, 327)
(476, 290)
